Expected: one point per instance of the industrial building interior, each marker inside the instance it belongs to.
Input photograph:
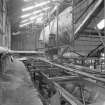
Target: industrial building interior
(52, 52)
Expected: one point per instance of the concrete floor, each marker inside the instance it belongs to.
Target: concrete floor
(16, 90)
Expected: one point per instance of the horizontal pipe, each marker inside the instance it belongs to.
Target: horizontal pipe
(74, 70)
(63, 78)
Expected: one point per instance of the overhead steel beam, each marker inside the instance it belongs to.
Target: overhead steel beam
(89, 36)
(85, 10)
(87, 19)
(86, 32)
(79, 40)
(77, 45)
(101, 37)
(95, 50)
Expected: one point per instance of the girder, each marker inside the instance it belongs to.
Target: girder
(60, 76)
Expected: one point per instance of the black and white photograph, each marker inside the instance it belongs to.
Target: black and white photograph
(52, 52)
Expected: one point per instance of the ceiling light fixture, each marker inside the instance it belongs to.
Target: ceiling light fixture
(31, 19)
(35, 6)
(42, 10)
(24, 20)
(101, 24)
(34, 17)
(28, 8)
(27, 0)
(26, 15)
(35, 12)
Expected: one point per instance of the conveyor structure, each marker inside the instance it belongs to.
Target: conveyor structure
(75, 85)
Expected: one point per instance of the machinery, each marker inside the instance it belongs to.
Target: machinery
(51, 48)
(71, 85)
